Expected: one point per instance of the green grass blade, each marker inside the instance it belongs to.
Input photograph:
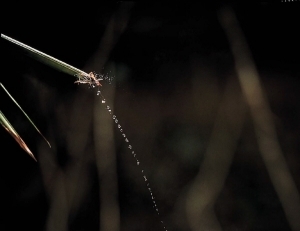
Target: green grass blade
(10, 129)
(47, 59)
(24, 114)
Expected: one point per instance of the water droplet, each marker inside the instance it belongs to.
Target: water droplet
(114, 117)
(98, 92)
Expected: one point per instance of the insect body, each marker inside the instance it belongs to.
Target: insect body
(92, 79)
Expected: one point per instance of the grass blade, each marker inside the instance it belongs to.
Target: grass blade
(25, 114)
(92, 79)
(10, 129)
(47, 59)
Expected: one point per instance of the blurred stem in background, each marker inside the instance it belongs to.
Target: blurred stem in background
(106, 160)
(213, 172)
(262, 117)
(71, 186)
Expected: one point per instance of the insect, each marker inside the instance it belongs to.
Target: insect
(92, 79)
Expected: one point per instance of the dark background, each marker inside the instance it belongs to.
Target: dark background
(170, 65)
